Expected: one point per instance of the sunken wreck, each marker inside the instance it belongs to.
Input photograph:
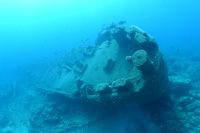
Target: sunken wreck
(125, 66)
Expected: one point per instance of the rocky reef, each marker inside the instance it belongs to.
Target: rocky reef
(119, 84)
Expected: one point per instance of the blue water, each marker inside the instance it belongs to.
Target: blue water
(31, 30)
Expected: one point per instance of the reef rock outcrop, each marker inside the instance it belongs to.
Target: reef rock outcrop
(125, 67)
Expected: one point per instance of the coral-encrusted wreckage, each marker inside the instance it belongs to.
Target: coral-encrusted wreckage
(125, 66)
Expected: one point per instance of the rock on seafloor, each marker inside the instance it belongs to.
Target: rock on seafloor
(125, 66)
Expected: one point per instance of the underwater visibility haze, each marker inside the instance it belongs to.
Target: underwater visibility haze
(99, 66)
